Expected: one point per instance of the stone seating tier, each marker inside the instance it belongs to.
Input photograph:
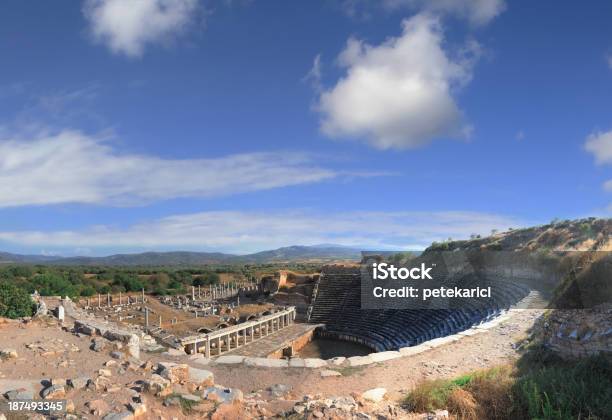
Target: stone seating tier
(338, 306)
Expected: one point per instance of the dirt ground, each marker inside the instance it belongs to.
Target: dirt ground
(493, 347)
(186, 322)
(47, 351)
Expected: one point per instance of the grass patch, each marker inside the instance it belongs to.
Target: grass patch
(539, 386)
(563, 390)
(185, 404)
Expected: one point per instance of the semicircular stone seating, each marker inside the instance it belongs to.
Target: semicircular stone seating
(337, 304)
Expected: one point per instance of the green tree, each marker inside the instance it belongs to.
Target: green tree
(15, 302)
(52, 284)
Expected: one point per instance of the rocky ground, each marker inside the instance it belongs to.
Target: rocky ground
(44, 359)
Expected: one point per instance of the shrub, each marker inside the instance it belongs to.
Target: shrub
(542, 387)
(15, 302)
(463, 404)
(582, 389)
(51, 284)
(430, 395)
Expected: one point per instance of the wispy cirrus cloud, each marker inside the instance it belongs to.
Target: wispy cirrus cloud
(249, 231)
(72, 167)
(476, 12)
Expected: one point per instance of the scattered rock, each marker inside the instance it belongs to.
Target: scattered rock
(116, 355)
(70, 406)
(374, 395)
(201, 377)
(228, 412)
(157, 385)
(329, 373)
(279, 390)
(223, 395)
(97, 407)
(78, 383)
(138, 409)
(148, 365)
(58, 381)
(54, 392)
(126, 415)
(191, 398)
(8, 354)
(174, 352)
(19, 394)
(173, 372)
(98, 344)
(105, 372)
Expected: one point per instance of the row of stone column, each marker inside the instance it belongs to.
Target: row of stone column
(262, 329)
(219, 291)
(131, 300)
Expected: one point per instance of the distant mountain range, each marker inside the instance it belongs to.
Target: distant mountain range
(285, 254)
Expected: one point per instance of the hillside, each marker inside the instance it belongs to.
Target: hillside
(322, 253)
(590, 234)
(575, 255)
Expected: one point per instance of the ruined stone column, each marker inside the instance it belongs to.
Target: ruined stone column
(60, 313)
(193, 293)
(147, 318)
(160, 321)
(143, 298)
(119, 298)
(99, 300)
(207, 348)
(108, 300)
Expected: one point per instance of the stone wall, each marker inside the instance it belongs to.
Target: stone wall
(296, 345)
(579, 332)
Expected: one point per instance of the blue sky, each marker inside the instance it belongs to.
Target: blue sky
(238, 126)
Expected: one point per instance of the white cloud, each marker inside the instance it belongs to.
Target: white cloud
(478, 12)
(244, 231)
(600, 145)
(608, 186)
(128, 26)
(73, 167)
(399, 94)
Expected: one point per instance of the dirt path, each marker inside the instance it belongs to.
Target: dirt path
(490, 348)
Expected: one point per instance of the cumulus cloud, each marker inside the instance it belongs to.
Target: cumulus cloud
(71, 167)
(244, 231)
(128, 26)
(600, 145)
(478, 12)
(399, 94)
